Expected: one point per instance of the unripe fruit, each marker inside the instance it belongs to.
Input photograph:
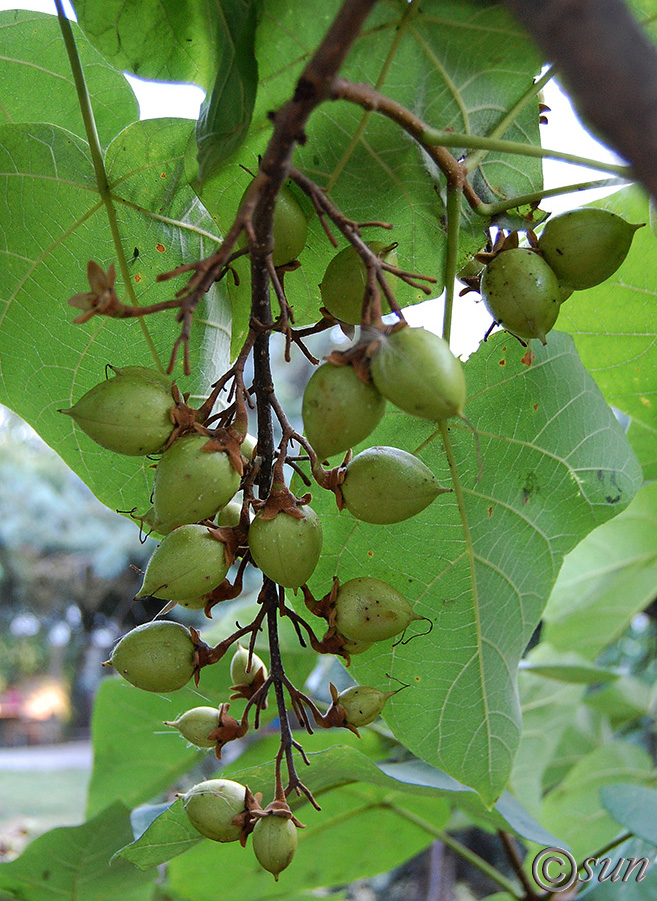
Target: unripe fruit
(522, 293)
(230, 514)
(193, 603)
(127, 414)
(248, 446)
(362, 704)
(371, 610)
(343, 285)
(212, 806)
(286, 548)
(385, 485)
(187, 564)
(192, 484)
(157, 656)
(195, 725)
(356, 647)
(290, 228)
(339, 409)
(274, 843)
(417, 371)
(585, 247)
(239, 663)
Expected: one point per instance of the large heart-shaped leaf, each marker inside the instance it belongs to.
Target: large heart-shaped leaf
(480, 563)
(74, 862)
(55, 219)
(34, 64)
(169, 40)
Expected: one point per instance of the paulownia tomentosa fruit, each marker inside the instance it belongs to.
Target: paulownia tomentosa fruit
(213, 805)
(585, 247)
(362, 704)
(191, 484)
(339, 409)
(290, 228)
(274, 843)
(188, 563)
(287, 548)
(239, 663)
(157, 656)
(129, 413)
(522, 293)
(385, 484)
(416, 371)
(371, 610)
(196, 724)
(343, 285)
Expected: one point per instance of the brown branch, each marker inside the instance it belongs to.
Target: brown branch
(516, 863)
(610, 66)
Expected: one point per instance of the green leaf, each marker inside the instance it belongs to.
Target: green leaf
(548, 708)
(135, 755)
(613, 326)
(574, 811)
(584, 732)
(623, 702)
(34, 64)
(634, 807)
(437, 58)
(555, 464)
(226, 111)
(570, 667)
(54, 220)
(606, 580)
(167, 40)
(74, 862)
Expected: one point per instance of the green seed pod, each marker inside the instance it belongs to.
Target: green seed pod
(192, 484)
(371, 610)
(157, 656)
(290, 228)
(195, 725)
(128, 414)
(343, 285)
(585, 247)
(286, 548)
(187, 564)
(522, 293)
(356, 647)
(274, 843)
(417, 371)
(213, 805)
(239, 663)
(363, 704)
(230, 514)
(248, 446)
(339, 409)
(193, 603)
(385, 485)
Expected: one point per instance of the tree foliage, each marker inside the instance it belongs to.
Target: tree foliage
(542, 470)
